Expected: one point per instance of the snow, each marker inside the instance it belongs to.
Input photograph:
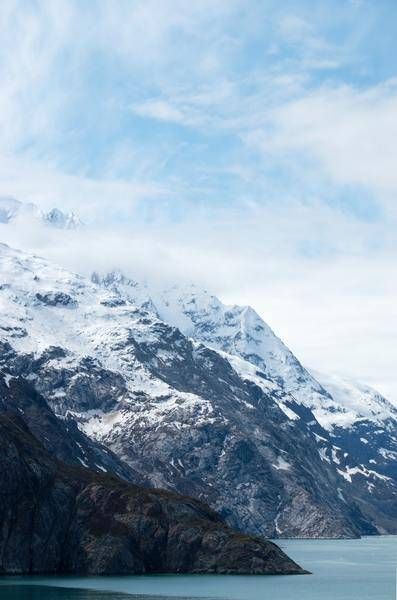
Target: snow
(7, 379)
(90, 328)
(335, 458)
(323, 455)
(361, 470)
(13, 210)
(281, 464)
(242, 335)
(388, 454)
(101, 468)
(355, 402)
(95, 325)
(248, 371)
(238, 332)
(320, 438)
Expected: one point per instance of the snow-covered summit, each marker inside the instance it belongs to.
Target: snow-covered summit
(11, 209)
(60, 220)
(240, 331)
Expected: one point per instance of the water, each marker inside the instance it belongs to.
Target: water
(342, 570)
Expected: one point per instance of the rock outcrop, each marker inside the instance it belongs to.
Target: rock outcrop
(61, 437)
(56, 518)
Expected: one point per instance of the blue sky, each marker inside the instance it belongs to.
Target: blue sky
(188, 98)
(252, 144)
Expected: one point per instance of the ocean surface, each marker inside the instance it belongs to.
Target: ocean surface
(341, 570)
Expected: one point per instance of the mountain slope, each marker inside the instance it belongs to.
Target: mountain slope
(71, 520)
(355, 417)
(182, 415)
(61, 437)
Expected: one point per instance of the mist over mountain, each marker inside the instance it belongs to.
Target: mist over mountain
(198, 283)
(12, 210)
(201, 398)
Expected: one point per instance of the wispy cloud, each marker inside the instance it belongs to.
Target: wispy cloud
(161, 110)
(250, 145)
(316, 275)
(350, 133)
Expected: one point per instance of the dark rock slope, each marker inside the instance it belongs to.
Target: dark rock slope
(56, 518)
(61, 437)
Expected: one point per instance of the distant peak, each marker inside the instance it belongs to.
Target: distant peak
(56, 218)
(11, 210)
(112, 278)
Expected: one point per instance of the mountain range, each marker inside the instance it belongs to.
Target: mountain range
(13, 210)
(170, 388)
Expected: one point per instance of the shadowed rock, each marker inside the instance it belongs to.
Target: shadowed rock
(57, 518)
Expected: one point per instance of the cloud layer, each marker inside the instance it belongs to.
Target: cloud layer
(250, 147)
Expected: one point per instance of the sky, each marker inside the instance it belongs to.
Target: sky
(247, 146)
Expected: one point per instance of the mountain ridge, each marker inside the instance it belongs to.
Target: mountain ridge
(180, 412)
(13, 210)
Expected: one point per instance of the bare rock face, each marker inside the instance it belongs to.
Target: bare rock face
(57, 518)
(61, 437)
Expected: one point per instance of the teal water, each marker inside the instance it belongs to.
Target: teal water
(342, 570)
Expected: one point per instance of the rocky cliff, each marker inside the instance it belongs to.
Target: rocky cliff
(57, 518)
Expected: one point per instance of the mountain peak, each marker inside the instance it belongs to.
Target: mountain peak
(60, 220)
(13, 210)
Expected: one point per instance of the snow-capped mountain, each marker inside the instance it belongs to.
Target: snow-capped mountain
(359, 419)
(60, 220)
(12, 210)
(192, 407)
(240, 331)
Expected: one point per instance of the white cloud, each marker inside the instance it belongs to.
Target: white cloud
(336, 309)
(324, 281)
(160, 110)
(350, 133)
(93, 199)
(295, 28)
